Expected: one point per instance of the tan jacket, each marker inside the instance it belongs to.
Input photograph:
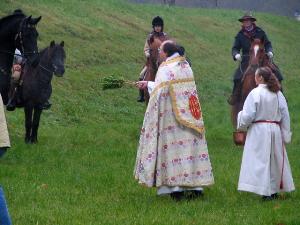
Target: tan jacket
(147, 49)
(4, 138)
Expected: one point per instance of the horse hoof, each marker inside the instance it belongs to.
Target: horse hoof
(10, 108)
(34, 141)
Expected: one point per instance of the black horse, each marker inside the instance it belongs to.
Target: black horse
(16, 31)
(36, 87)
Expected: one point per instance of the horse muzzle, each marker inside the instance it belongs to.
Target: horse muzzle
(58, 71)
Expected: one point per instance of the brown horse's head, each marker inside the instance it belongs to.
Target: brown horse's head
(154, 60)
(257, 58)
(257, 53)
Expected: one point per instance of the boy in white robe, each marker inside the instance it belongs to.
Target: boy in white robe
(265, 168)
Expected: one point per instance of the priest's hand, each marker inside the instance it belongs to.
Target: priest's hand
(142, 84)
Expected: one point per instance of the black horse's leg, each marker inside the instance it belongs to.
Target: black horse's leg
(35, 124)
(28, 122)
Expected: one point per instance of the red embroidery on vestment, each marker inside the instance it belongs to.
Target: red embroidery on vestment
(195, 107)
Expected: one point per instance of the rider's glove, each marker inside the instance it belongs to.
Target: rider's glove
(270, 54)
(238, 57)
(147, 54)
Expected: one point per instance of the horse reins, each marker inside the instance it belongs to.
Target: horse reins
(43, 67)
(19, 35)
(49, 52)
(240, 66)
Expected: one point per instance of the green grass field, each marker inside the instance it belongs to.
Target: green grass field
(81, 171)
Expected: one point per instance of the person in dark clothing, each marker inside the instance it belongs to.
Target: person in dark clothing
(248, 32)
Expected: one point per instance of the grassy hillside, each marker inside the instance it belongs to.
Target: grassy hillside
(81, 170)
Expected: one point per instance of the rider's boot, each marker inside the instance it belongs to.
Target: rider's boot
(11, 104)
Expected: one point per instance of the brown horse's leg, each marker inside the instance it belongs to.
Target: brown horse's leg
(233, 116)
(141, 97)
(146, 93)
(35, 124)
(28, 122)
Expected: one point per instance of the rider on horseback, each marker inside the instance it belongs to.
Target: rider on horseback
(15, 96)
(242, 42)
(158, 28)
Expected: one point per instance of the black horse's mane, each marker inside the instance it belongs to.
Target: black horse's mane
(5, 20)
(43, 51)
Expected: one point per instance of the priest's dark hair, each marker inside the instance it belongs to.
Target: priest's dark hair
(269, 78)
(181, 50)
(170, 48)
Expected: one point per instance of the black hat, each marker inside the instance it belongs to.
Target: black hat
(247, 16)
(157, 21)
(18, 12)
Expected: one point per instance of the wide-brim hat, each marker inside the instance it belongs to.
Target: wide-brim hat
(247, 16)
(18, 12)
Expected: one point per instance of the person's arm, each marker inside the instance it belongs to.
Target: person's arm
(247, 115)
(268, 44)
(160, 77)
(147, 49)
(150, 86)
(285, 119)
(236, 48)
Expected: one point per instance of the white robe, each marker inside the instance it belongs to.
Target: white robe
(265, 163)
(172, 153)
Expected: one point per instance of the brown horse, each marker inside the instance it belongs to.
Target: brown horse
(257, 58)
(153, 61)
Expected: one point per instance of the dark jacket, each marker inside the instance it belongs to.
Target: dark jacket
(243, 42)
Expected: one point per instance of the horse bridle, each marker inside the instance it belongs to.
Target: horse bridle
(52, 65)
(43, 67)
(20, 37)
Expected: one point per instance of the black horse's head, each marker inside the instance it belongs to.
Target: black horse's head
(26, 39)
(57, 56)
